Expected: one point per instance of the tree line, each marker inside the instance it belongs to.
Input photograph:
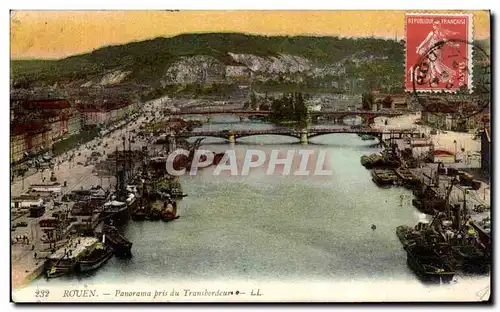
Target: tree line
(290, 108)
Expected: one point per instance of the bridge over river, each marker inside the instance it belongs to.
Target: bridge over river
(367, 116)
(304, 135)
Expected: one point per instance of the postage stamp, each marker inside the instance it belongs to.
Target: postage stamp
(438, 56)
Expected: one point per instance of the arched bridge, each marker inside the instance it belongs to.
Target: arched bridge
(303, 135)
(367, 116)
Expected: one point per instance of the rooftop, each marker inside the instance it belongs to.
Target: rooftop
(31, 128)
(442, 152)
(46, 104)
(103, 105)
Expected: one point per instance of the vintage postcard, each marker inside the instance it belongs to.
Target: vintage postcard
(250, 156)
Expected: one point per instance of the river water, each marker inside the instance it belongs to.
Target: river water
(268, 228)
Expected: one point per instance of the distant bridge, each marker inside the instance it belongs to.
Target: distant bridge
(303, 135)
(367, 116)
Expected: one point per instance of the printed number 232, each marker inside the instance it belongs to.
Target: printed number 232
(42, 293)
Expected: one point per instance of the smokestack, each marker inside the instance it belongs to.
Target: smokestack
(457, 219)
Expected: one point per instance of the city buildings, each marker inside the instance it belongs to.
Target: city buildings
(40, 119)
(27, 139)
(106, 112)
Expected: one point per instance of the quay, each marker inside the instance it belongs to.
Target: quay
(25, 267)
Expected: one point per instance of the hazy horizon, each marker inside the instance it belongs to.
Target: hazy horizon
(52, 35)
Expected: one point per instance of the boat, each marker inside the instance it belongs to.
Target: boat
(368, 161)
(471, 258)
(131, 202)
(95, 258)
(384, 178)
(65, 260)
(428, 265)
(112, 238)
(116, 212)
(166, 217)
(407, 235)
(425, 205)
(169, 211)
(155, 215)
(59, 270)
(366, 137)
(140, 214)
(408, 178)
(177, 193)
(379, 161)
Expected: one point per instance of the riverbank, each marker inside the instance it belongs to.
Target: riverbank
(441, 140)
(24, 266)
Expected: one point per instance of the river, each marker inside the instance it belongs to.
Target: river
(269, 228)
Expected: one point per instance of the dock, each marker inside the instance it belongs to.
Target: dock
(25, 267)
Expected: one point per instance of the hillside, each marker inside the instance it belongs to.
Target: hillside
(183, 59)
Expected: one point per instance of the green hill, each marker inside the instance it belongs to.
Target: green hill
(148, 60)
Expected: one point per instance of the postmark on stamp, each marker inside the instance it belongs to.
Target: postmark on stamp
(438, 56)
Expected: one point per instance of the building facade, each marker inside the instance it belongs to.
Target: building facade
(485, 149)
(238, 72)
(55, 114)
(28, 139)
(106, 112)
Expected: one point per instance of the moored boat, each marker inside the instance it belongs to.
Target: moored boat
(66, 259)
(139, 215)
(141, 212)
(384, 178)
(166, 217)
(383, 160)
(116, 211)
(428, 265)
(366, 137)
(59, 270)
(408, 235)
(408, 178)
(120, 245)
(95, 258)
(169, 212)
(471, 258)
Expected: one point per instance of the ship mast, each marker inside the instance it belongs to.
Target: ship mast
(130, 155)
(116, 169)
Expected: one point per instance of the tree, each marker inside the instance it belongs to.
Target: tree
(300, 110)
(387, 101)
(290, 107)
(367, 101)
(253, 101)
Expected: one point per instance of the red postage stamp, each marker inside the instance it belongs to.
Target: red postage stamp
(438, 52)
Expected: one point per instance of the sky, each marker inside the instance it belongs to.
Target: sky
(58, 34)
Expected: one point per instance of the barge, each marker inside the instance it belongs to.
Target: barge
(80, 254)
(384, 178)
(119, 244)
(428, 265)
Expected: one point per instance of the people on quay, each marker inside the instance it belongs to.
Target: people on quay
(471, 233)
